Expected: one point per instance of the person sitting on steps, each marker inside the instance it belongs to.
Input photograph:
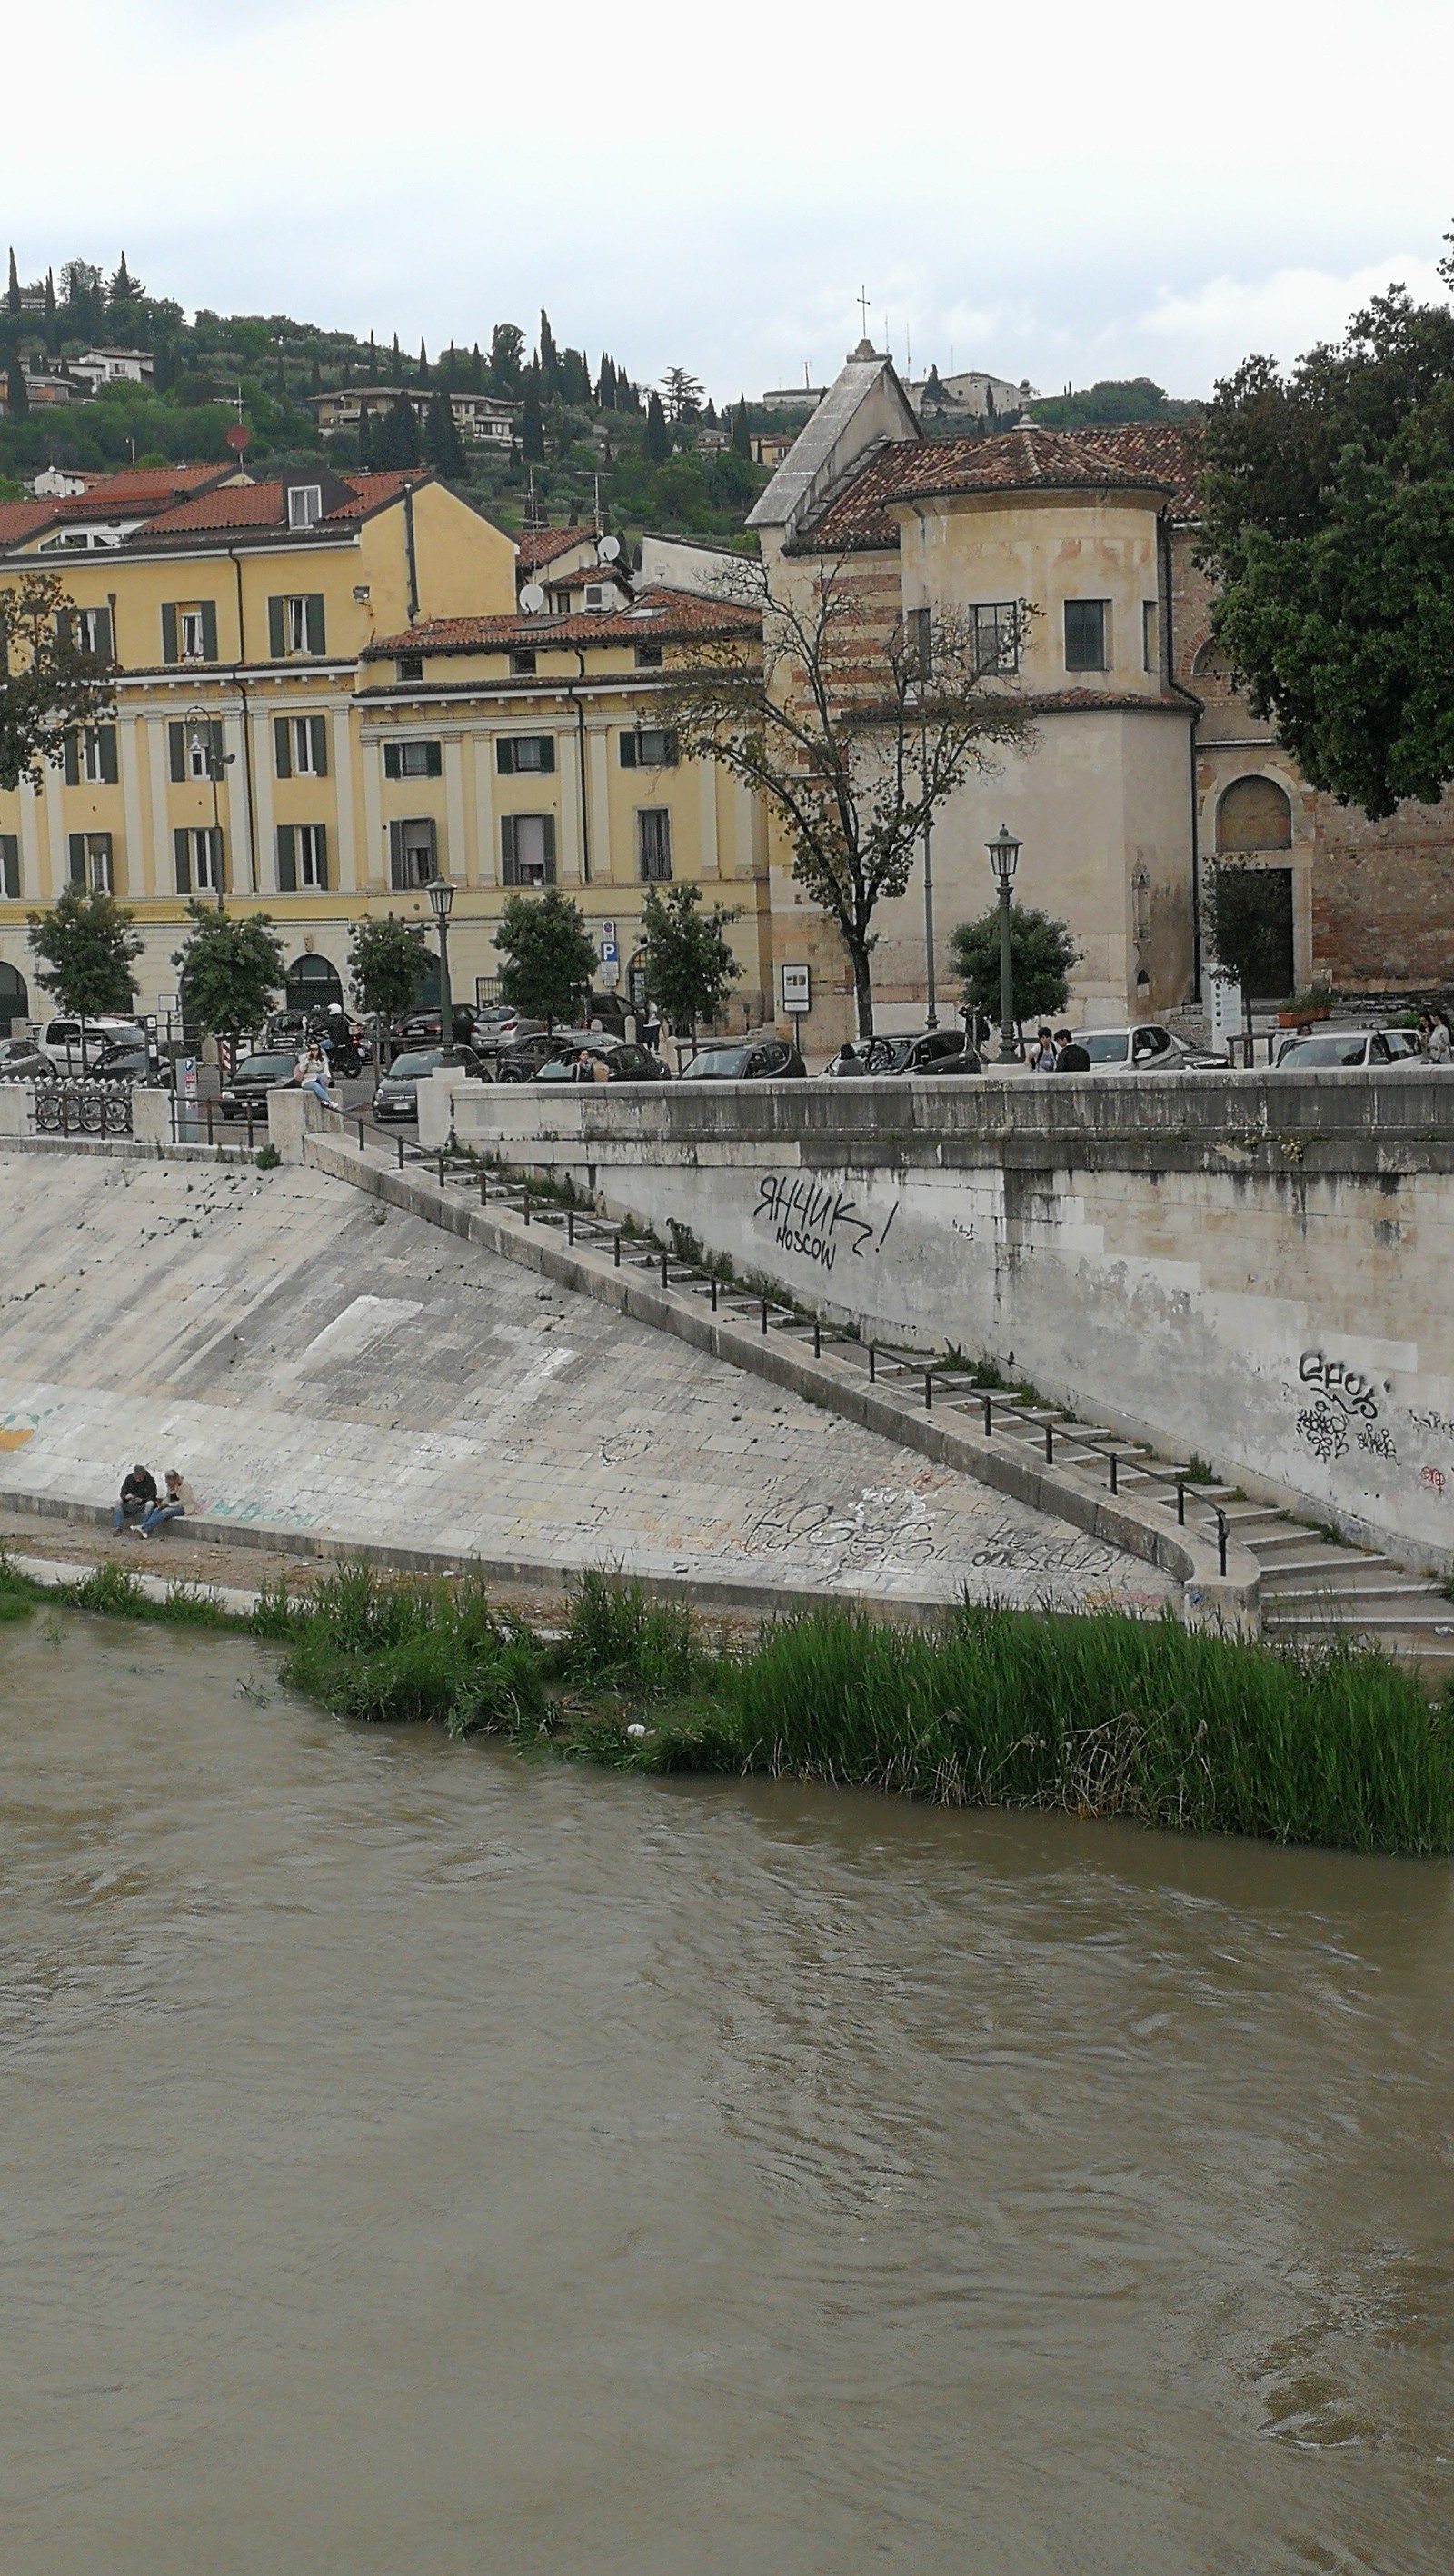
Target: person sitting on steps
(179, 1499)
(138, 1493)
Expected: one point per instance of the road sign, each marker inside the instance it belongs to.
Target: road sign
(608, 952)
(610, 974)
(608, 931)
(169, 1001)
(797, 989)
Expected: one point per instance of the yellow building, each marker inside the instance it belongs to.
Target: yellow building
(325, 696)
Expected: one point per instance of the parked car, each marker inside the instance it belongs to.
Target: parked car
(936, 1051)
(1351, 1050)
(1146, 1048)
(624, 1061)
(254, 1078)
(61, 1040)
(22, 1061)
(398, 1093)
(123, 1063)
(762, 1059)
(498, 1025)
(521, 1058)
(422, 1028)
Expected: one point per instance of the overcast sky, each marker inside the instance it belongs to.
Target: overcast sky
(1061, 191)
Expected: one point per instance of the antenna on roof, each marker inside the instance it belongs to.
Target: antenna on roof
(863, 309)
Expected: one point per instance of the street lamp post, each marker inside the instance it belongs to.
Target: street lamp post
(441, 903)
(931, 1011)
(1004, 854)
(204, 748)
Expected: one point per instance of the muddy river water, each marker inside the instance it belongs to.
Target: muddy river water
(417, 2162)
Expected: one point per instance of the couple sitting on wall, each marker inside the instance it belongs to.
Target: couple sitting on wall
(144, 1511)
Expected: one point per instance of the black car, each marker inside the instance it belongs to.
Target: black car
(398, 1093)
(749, 1060)
(133, 1064)
(936, 1051)
(624, 1062)
(247, 1093)
(519, 1059)
(422, 1028)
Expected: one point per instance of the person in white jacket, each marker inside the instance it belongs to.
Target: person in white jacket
(177, 1501)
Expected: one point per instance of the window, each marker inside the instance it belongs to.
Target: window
(189, 631)
(653, 843)
(649, 747)
(302, 858)
(1150, 635)
(194, 748)
(648, 657)
(997, 626)
(527, 849)
(410, 666)
(412, 760)
(524, 754)
(295, 624)
(597, 596)
(919, 637)
(300, 746)
(305, 505)
(522, 662)
(9, 867)
(90, 756)
(90, 861)
(88, 629)
(198, 858)
(413, 853)
(1087, 631)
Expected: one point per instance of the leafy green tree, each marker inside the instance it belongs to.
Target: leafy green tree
(47, 684)
(395, 440)
(853, 738)
(443, 445)
(387, 962)
(1328, 523)
(688, 963)
(532, 426)
(230, 971)
(507, 359)
(1042, 953)
(548, 952)
(86, 946)
(1243, 931)
(1113, 400)
(682, 394)
(658, 442)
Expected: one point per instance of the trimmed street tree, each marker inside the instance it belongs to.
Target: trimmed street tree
(48, 686)
(1328, 521)
(1042, 953)
(387, 962)
(853, 734)
(230, 971)
(1242, 932)
(688, 963)
(549, 955)
(86, 947)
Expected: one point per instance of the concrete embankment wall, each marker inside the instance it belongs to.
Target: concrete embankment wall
(1258, 1269)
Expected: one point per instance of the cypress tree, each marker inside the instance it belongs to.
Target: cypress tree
(396, 440)
(423, 364)
(549, 360)
(315, 380)
(443, 445)
(50, 308)
(658, 443)
(373, 365)
(532, 427)
(477, 370)
(12, 291)
(17, 397)
(741, 438)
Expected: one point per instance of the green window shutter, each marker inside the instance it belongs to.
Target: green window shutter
(63, 627)
(76, 848)
(320, 846)
(73, 760)
(171, 650)
(10, 866)
(104, 647)
(433, 759)
(391, 760)
(315, 622)
(548, 844)
(282, 747)
(109, 771)
(628, 751)
(287, 859)
(547, 753)
(320, 745)
(505, 756)
(276, 642)
(209, 631)
(177, 752)
(396, 856)
(182, 851)
(507, 849)
(433, 842)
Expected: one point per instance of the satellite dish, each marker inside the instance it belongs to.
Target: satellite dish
(237, 437)
(532, 598)
(608, 549)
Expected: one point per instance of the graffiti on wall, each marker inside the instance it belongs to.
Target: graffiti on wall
(819, 1224)
(1344, 1402)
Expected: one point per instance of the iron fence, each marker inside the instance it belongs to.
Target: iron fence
(82, 1108)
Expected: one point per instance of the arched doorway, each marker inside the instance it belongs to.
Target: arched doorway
(1254, 819)
(312, 984)
(14, 998)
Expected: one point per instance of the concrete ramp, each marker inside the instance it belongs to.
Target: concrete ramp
(320, 1367)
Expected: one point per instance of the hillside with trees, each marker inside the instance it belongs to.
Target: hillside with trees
(661, 457)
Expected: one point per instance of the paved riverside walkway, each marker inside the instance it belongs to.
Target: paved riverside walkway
(326, 1371)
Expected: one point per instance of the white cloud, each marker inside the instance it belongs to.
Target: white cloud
(1206, 333)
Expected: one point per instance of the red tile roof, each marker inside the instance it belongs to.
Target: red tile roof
(1141, 456)
(537, 547)
(659, 617)
(260, 505)
(140, 487)
(21, 519)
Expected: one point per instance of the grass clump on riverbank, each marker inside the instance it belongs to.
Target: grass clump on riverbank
(1099, 1716)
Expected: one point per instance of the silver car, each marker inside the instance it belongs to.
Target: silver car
(1346, 1050)
(1146, 1048)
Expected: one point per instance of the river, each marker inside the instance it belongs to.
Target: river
(421, 2162)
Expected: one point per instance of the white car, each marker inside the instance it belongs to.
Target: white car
(61, 1041)
(1147, 1048)
(1348, 1050)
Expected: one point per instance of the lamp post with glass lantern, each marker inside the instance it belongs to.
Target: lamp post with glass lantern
(211, 761)
(441, 904)
(1004, 854)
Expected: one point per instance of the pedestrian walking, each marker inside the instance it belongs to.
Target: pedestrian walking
(1434, 1041)
(1070, 1055)
(1042, 1053)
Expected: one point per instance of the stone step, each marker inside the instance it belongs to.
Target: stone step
(1356, 1599)
(1348, 1573)
(1282, 1622)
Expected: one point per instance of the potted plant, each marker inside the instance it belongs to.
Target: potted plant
(1315, 1004)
